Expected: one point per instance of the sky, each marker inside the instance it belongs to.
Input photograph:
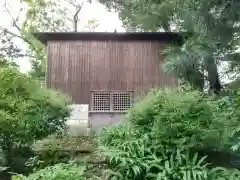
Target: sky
(107, 21)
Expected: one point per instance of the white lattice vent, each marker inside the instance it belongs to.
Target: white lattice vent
(101, 101)
(121, 101)
(111, 101)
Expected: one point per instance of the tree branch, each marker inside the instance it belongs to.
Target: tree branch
(75, 17)
(17, 27)
(5, 30)
(18, 36)
(15, 20)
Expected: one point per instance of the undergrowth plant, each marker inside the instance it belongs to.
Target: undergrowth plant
(56, 172)
(161, 136)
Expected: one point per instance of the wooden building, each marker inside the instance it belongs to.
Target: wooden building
(106, 70)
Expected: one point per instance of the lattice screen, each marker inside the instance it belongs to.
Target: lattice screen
(111, 101)
(101, 101)
(121, 101)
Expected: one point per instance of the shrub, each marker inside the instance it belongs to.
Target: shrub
(27, 112)
(58, 149)
(162, 134)
(56, 172)
(65, 142)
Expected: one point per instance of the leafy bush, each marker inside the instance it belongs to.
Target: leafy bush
(60, 149)
(162, 134)
(65, 142)
(27, 112)
(56, 172)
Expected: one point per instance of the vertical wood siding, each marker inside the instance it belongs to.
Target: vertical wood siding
(78, 67)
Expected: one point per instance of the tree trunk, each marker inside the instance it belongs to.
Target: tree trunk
(195, 79)
(75, 24)
(7, 150)
(213, 76)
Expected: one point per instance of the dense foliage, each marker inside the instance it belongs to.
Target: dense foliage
(169, 135)
(213, 39)
(60, 149)
(56, 172)
(27, 111)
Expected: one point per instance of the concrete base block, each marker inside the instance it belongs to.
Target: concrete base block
(78, 128)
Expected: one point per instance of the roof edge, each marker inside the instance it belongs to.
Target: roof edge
(170, 37)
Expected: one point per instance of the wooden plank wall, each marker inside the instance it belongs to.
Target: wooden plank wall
(78, 67)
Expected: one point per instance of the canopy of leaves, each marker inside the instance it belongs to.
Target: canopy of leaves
(213, 24)
(36, 16)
